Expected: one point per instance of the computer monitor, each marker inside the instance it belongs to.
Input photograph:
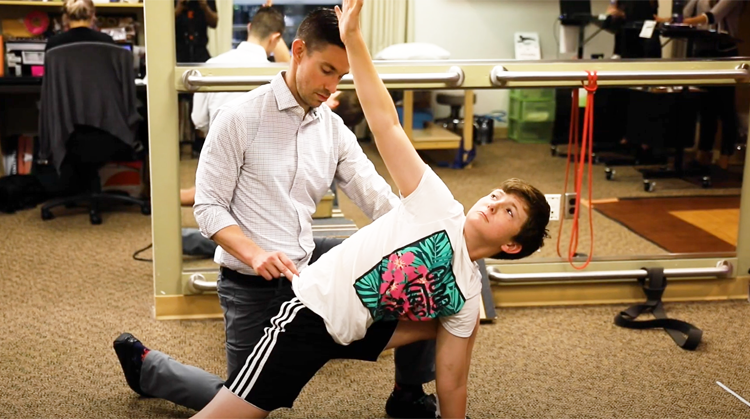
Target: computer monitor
(127, 45)
(575, 12)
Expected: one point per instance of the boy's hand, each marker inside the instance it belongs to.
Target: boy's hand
(348, 18)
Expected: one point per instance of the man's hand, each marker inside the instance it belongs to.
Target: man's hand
(659, 19)
(271, 265)
(348, 18)
(268, 3)
(333, 101)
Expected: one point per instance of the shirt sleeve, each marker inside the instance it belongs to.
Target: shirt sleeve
(357, 177)
(200, 114)
(218, 172)
(462, 324)
(431, 200)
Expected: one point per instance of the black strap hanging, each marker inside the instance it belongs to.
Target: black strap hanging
(684, 334)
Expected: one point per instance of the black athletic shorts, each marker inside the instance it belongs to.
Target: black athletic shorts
(293, 347)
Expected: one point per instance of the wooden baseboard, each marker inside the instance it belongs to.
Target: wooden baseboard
(187, 307)
(562, 294)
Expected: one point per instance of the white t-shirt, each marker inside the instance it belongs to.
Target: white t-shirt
(410, 264)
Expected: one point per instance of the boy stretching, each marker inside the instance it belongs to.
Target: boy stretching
(408, 276)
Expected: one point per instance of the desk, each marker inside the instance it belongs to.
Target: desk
(434, 137)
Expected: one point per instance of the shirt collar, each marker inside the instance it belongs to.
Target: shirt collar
(284, 97)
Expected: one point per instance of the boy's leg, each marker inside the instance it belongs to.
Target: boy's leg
(164, 378)
(228, 405)
(158, 375)
(294, 346)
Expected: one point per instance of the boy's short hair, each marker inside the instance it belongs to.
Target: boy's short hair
(266, 22)
(319, 29)
(534, 230)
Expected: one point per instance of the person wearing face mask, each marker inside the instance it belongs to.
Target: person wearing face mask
(269, 158)
(718, 102)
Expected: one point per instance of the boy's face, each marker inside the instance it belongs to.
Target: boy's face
(496, 219)
(319, 73)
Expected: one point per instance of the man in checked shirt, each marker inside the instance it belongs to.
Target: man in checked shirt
(269, 158)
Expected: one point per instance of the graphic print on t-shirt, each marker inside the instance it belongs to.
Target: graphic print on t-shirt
(415, 282)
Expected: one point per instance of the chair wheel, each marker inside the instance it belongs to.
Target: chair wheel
(706, 181)
(610, 173)
(96, 219)
(47, 215)
(146, 209)
(649, 186)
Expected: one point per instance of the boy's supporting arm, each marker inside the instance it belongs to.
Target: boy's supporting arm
(452, 371)
(400, 157)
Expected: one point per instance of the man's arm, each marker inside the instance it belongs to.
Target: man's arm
(452, 361)
(209, 10)
(400, 157)
(281, 52)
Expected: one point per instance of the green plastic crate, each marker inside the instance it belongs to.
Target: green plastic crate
(530, 132)
(533, 94)
(532, 111)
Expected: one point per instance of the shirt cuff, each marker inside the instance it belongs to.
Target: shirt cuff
(213, 221)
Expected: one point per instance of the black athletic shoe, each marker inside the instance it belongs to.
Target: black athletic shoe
(130, 353)
(419, 408)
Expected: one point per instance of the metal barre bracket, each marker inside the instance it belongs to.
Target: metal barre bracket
(723, 269)
(192, 79)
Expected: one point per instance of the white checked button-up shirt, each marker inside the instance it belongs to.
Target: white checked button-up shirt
(206, 105)
(266, 164)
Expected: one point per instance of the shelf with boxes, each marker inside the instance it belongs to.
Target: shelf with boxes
(531, 115)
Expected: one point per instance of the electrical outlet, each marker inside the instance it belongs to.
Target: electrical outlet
(569, 205)
(554, 206)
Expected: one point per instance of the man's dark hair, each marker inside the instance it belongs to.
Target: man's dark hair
(534, 230)
(266, 22)
(319, 29)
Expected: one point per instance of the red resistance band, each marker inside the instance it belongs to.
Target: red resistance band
(585, 150)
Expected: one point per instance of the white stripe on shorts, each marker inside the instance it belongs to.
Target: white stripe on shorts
(257, 359)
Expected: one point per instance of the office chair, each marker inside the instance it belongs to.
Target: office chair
(453, 122)
(88, 117)
(88, 150)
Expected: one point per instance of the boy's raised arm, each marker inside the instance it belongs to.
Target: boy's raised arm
(400, 157)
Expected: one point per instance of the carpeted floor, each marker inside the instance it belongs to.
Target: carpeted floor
(69, 288)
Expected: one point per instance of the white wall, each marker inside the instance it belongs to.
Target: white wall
(483, 29)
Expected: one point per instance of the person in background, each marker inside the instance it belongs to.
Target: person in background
(719, 101)
(192, 20)
(79, 16)
(630, 15)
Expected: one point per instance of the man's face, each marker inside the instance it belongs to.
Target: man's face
(497, 218)
(319, 72)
